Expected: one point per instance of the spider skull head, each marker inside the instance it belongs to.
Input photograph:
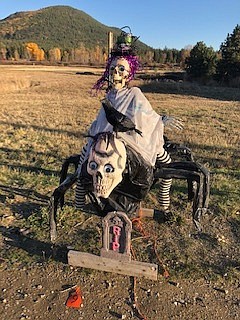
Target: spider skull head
(119, 73)
(106, 163)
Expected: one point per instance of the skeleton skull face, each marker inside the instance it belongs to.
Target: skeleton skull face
(119, 73)
(106, 163)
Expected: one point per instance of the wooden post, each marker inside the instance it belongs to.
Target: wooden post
(110, 43)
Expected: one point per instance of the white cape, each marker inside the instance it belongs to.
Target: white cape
(133, 103)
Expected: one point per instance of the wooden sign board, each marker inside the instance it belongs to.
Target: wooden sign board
(115, 253)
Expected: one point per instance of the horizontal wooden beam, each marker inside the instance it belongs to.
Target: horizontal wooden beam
(130, 268)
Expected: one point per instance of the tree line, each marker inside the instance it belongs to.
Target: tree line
(201, 63)
(31, 51)
(204, 64)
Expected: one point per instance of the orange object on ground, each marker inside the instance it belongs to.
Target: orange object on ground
(75, 298)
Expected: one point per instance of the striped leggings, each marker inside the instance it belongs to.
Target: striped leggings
(80, 194)
(165, 184)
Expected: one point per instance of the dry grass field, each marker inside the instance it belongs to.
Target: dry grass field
(44, 113)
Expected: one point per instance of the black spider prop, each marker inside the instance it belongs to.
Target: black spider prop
(196, 175)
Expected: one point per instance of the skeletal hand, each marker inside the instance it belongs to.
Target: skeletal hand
(172, 122)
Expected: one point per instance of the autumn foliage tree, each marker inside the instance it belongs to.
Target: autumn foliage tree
(35, 53)
(3, 52)
(54, 55)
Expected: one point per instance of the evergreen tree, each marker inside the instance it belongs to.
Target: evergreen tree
(201, 64)
(229, 66)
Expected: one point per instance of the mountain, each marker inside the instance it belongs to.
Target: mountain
(57, 26)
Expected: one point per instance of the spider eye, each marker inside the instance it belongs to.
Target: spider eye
(108, 168)
(93, 165)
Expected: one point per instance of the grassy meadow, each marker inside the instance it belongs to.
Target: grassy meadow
(44, 113)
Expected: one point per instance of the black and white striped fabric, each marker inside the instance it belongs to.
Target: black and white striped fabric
(80, 194)
(165, 184)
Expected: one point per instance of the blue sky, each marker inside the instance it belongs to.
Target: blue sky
(159, 23)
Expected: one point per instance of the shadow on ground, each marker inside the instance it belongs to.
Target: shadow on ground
(14, 238)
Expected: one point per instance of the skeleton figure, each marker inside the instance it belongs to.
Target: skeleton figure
(106, 163)
(120, 70)
(117, 174)
(132, 103)
(119, 73)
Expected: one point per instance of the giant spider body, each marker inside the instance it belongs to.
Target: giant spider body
(196, 175)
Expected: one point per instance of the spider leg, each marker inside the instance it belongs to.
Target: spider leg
(198, 178)
(57, 197)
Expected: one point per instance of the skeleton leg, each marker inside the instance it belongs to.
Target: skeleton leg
(164, 193)
(80, 195)
(165, 184)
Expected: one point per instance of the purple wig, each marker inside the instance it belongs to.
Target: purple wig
(133, 63)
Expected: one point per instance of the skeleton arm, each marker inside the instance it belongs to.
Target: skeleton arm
(172, 122)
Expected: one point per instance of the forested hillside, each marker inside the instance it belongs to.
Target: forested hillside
(74, 33)
(60, 26)
(62, 33)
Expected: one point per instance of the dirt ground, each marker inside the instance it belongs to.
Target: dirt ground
(39, 290)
